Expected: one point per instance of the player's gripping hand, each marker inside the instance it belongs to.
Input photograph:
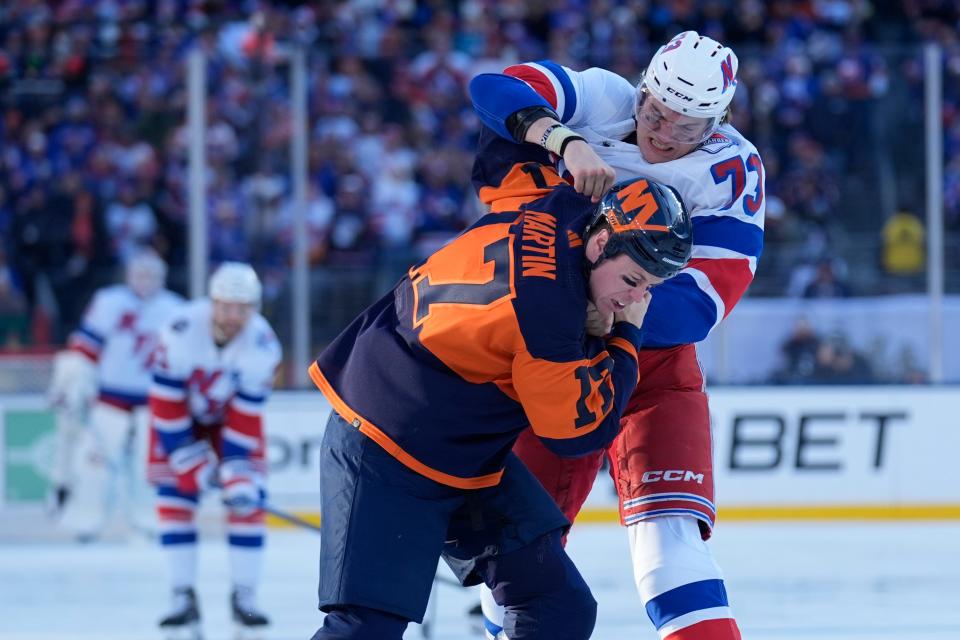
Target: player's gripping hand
(195, 466)
(591, 176)
(239, 487)
(635, 312)
(598, 324)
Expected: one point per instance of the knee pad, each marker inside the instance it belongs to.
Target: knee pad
(96, 464)
(361, 623)
(543, 593)
(680, 584)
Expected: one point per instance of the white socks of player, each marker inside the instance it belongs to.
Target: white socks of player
(669, 555)
(492, 615)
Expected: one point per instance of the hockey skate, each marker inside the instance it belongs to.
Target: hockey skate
(183, 620)
(57, 500)
(248, 620)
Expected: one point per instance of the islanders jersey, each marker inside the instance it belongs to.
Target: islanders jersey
(482, 339)
(119, 333)
(198, 384)
(721, 183)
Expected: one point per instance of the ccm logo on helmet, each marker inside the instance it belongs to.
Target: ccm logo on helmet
(679, 95)
(673, 475)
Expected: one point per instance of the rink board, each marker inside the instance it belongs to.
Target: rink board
(808, 453)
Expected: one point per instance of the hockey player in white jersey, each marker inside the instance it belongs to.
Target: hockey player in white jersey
(213, 371)
(673, 127)
(99, 387)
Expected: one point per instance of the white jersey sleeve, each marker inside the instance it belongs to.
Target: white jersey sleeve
(119, 332)
(98, 318)
(594, 97)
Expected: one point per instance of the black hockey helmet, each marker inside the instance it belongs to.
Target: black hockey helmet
(648, 222)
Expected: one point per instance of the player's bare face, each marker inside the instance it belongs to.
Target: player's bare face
(229, 319)
(618, 283)
(144, 282)
(664, 135)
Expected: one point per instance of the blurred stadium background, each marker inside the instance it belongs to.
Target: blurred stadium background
(96, 160)
(329, 143)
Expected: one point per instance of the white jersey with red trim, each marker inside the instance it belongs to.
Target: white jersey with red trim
(119, 332)
(210, 378)
(721, 183)
(195, 382)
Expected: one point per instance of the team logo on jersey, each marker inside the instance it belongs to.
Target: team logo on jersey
(265, 340)
(127, 322)
(212, 390)
(717, 142)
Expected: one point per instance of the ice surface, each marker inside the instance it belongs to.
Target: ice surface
(796, 581)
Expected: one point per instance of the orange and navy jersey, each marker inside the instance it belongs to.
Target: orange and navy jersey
(484, 338)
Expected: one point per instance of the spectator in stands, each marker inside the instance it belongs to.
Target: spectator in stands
(904, 250)
(14, 331)
(77, 96)
(826, 283)
(352, 239)
(838, 363)
(131, 222)
(798, 355)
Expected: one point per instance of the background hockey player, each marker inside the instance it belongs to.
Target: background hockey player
(99, 387)
(214, 368)
(672, 128)
(432, 384)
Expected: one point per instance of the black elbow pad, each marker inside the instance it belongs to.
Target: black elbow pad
(518, 122)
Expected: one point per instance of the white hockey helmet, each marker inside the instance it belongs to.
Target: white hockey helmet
(235, 282)
(693, 75)
(145, 272)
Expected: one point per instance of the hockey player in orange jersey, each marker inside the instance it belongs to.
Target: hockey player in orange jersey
(434, 382)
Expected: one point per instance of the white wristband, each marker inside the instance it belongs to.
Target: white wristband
(557, 137)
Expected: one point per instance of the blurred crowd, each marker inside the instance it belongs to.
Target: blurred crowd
(811, 357)
(93, 137)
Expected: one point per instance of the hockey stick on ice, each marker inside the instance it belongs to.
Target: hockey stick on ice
(243, 503)
(289, 517)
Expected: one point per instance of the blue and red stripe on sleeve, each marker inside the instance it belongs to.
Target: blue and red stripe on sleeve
(549, 80)
(724, 260)
(87, 342)
(497, 96)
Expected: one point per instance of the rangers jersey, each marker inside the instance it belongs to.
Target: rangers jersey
(197, 383)
(721, 183)
(119, 333)
(481, 340)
